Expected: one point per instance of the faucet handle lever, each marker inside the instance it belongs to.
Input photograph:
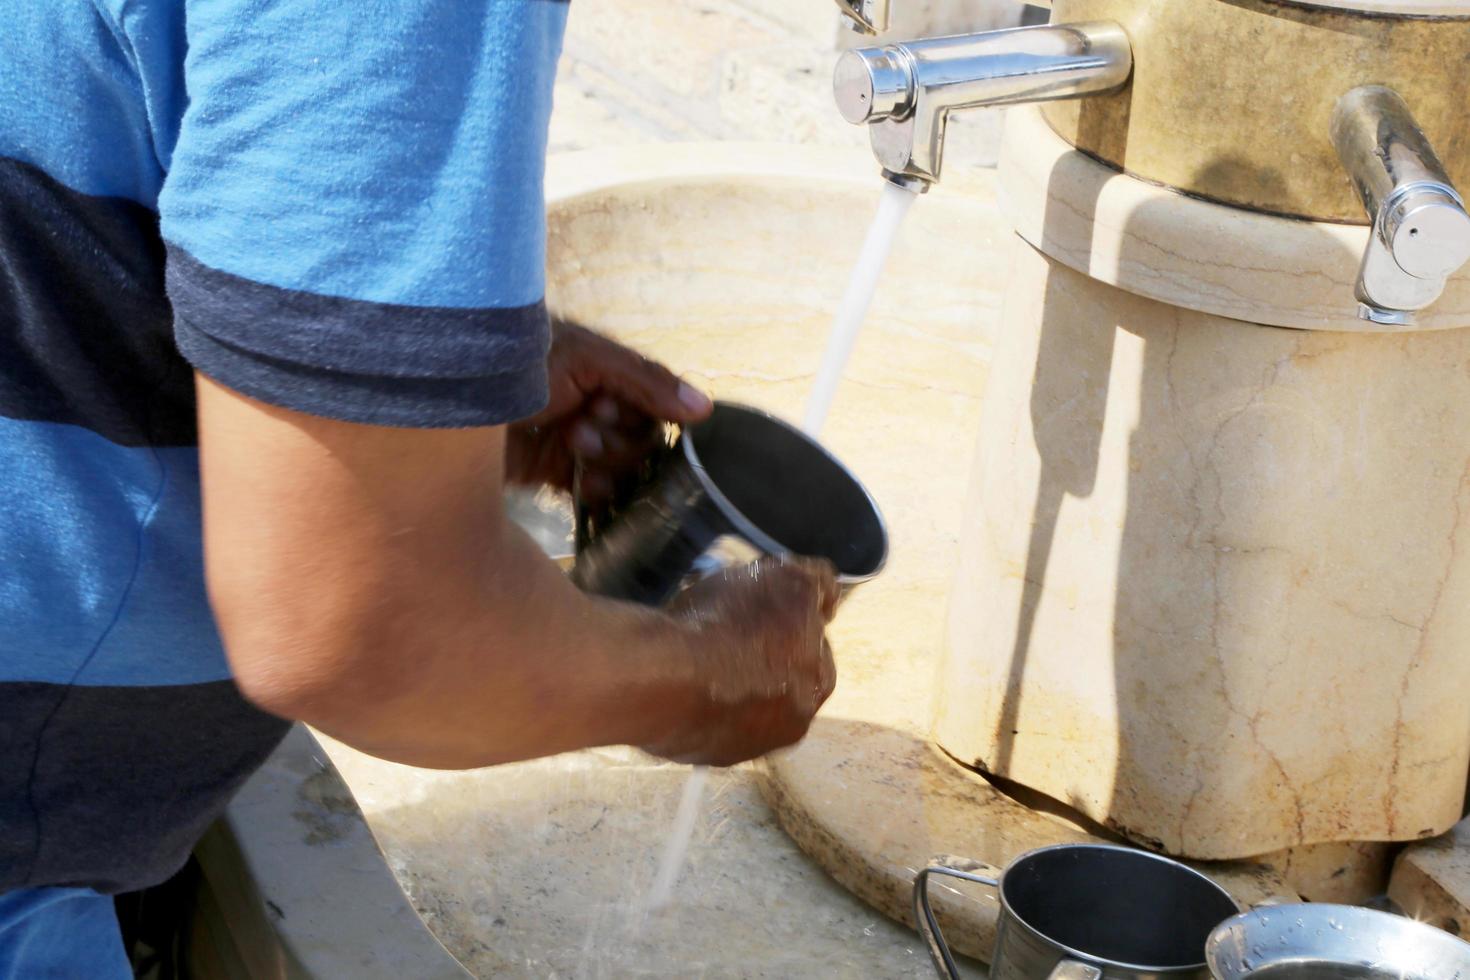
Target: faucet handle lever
(873, 84)
(1427, 230)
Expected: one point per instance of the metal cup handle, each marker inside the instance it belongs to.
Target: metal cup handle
(924, 918)
(933, 938)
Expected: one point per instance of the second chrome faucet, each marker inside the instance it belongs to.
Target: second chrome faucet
(1420, 232)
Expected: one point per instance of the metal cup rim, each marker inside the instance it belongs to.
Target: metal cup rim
(1089, 958)
(745, 526)
(1318, 910)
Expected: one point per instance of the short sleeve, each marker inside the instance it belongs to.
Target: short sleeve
(354, 212)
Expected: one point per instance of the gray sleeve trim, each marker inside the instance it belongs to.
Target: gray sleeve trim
(417, 403)
(374, 363)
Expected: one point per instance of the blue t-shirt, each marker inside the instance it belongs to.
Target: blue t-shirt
(331, 206)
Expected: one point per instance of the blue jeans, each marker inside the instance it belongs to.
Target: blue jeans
(60, 934)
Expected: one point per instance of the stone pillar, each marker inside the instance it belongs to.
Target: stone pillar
(1215, 579)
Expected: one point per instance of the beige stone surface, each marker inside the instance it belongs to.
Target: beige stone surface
(541, 870)
(1341, 873)
(934, 18)
(909, 19)
(636, 73)
(1214, 589)
(1431, 881)
(1168, 246)
(822, 25)
(1231, 99)
(818, 22)
(727, 262)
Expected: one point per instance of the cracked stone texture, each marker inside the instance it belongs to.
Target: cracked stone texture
(1431, 881)
(1215, 585)
(691, 70)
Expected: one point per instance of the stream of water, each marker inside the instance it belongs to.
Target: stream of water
(893, 205)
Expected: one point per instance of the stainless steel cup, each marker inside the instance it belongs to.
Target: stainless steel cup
(739, 473)
(1332, 942)
(1087, 912)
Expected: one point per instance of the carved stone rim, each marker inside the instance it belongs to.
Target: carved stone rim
(1158, 242)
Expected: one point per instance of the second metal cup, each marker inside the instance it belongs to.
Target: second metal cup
(1088, 912)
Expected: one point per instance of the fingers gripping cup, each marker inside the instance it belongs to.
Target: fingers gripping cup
(739, 473)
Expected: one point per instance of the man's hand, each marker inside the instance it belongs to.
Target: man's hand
(606, 413)
(761, 649)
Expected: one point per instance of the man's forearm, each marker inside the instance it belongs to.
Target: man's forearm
(509, 662)
(367, 581)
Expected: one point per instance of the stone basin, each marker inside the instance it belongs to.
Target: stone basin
(726, 261)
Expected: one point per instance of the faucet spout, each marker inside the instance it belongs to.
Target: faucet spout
(905, 92)
(1421, 233)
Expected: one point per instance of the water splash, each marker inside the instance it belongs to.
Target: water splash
(676, 847)
(892, 207)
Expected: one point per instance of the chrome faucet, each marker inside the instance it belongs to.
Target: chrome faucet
(905, 92)
(1421, 233)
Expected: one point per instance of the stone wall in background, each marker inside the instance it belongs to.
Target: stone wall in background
(935, 18)
(754, 70)
(819, 19)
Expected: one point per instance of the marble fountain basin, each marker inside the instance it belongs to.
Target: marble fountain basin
(726, 262)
